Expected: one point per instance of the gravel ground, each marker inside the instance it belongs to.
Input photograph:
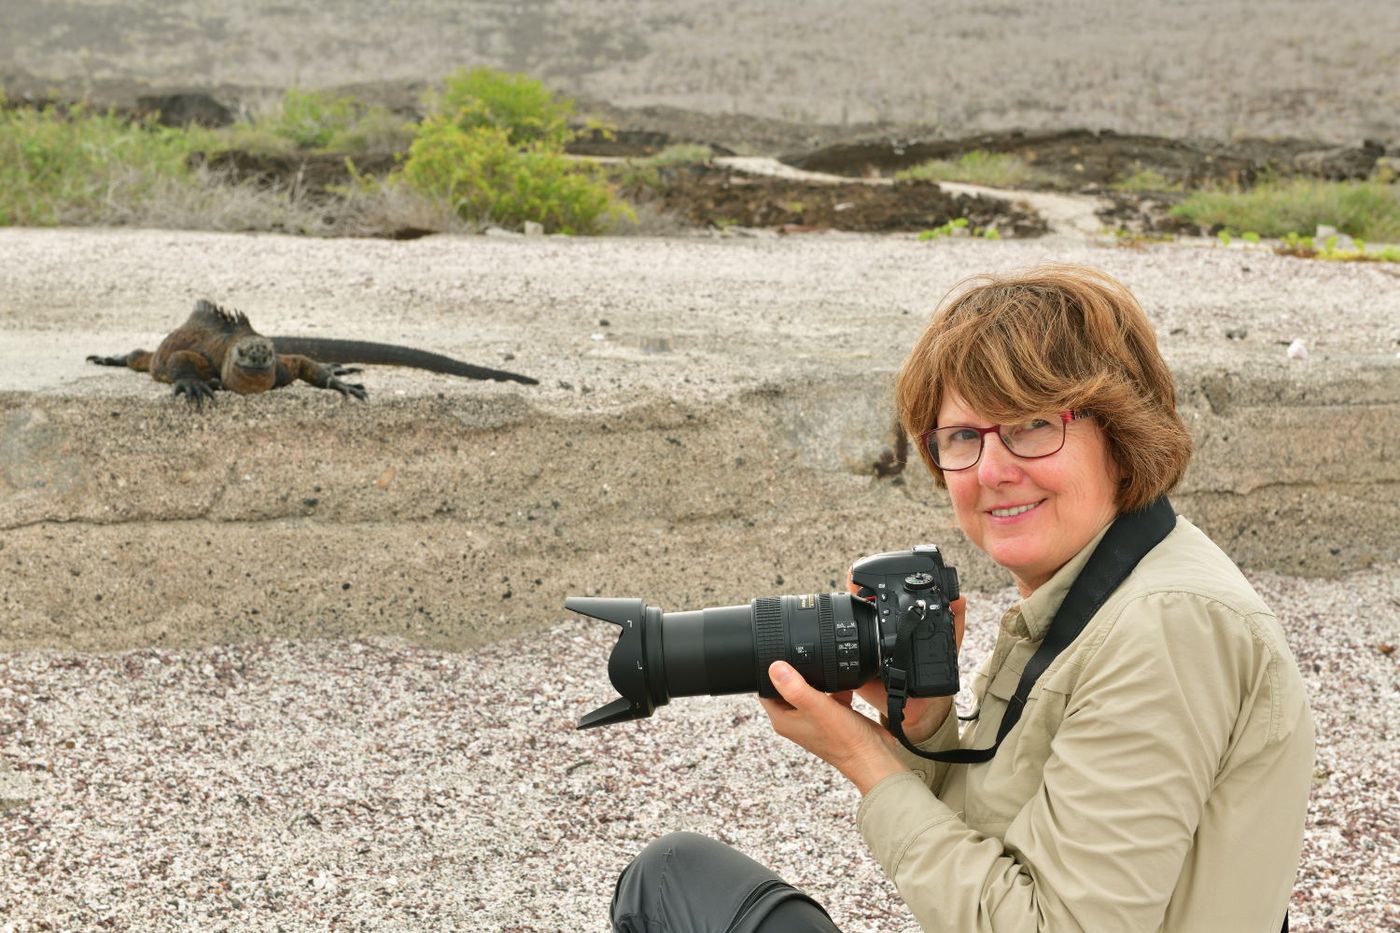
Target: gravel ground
(373, 785)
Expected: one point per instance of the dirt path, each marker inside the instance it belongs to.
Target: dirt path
(1074, 215)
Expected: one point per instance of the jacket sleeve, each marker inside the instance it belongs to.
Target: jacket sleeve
(1101, 844)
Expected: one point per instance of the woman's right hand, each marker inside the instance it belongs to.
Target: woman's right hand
(922, 715)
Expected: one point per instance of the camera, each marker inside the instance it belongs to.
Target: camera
(895, 622)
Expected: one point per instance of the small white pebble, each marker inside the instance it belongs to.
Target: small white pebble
(1297, 350)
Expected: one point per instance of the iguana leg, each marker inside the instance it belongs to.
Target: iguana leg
(139, 360)
(190, 372)
(193, 375)
(291, 368)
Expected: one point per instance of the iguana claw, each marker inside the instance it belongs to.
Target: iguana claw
(195, 391)
(347, 388)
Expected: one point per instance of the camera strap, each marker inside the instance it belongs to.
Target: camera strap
(1126, 542)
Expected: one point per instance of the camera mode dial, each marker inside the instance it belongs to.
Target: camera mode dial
(918, 581)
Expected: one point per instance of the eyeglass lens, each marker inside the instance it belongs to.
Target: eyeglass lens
(958, 447)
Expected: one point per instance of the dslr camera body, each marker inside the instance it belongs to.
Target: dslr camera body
(896, 622)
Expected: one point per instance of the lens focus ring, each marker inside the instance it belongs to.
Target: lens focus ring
(826, 627)
(769, 639)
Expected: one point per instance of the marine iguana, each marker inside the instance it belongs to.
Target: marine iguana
(218, 349)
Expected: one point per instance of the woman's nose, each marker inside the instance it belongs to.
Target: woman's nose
(997, 465)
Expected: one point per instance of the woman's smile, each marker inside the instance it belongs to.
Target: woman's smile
(1010, 512)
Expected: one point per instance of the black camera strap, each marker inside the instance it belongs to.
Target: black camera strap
(1125, 543)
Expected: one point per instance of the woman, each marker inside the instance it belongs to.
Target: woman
(1158, 774)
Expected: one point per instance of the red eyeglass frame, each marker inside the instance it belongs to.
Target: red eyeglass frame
(1065, 418)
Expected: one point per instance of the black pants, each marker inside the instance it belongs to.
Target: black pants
(687, 883)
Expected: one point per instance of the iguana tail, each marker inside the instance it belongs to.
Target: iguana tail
(326, 350)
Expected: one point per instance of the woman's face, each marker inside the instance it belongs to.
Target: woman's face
(1070, 493)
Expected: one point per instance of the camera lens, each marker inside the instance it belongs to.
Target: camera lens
(728, 650)
(830, 638)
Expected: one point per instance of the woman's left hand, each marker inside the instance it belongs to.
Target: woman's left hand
(826, 726)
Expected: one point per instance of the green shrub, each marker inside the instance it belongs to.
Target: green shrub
(492, 148)
(311, 119)
(955, 227)
(958, 227)
(80, 167)
(523, 107)
(1306, 247)
(995, 170)
(376, 129)
(320, 120)
(485, 177)
(1366, 209)
(73, 167)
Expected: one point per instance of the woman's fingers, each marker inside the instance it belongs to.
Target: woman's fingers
(791, 687)
(827, 727)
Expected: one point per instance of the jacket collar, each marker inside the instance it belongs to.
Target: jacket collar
(1037, 610)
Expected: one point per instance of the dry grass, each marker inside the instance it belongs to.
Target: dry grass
(1370, 210)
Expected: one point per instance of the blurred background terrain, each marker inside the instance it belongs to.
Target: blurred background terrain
(1224, 70)
(1146, 108)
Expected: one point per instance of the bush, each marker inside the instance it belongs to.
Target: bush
(492, 149)
(79, 167)
(482, 174)
(319, 120)
(995, 170)
(1366, 209)
(1331, 247)
(74, 167)
(516, 103)
(311, 119)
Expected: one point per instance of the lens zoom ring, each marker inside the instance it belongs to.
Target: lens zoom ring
(769, 639)
(826, 627)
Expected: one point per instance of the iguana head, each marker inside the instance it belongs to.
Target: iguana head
(250, 365)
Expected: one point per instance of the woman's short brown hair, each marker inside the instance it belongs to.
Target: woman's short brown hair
(1056, 338)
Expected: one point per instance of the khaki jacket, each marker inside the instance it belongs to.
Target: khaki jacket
(1157, 780)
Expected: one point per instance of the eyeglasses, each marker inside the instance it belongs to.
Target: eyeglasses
(959, 446)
